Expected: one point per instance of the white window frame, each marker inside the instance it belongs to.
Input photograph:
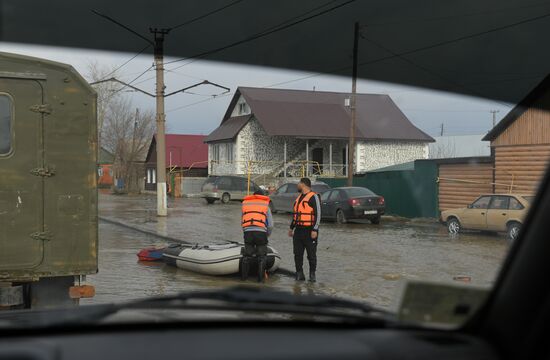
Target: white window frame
(229, 152)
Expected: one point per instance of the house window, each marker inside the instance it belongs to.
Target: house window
(216, 152)
(148, 176)
(5, 124)
(243, 108)
(100, 172)
(229, 152)
(153, 176)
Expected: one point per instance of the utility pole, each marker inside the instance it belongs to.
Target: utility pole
(159, 95)
(441, 134)
(494, 112)
(351, 147)
(162, 208)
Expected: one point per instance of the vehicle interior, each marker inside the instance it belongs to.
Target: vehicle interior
(460, 47)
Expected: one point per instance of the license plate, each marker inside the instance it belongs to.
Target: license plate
(370, 212)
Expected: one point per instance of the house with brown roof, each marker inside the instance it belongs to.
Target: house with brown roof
(283, 132)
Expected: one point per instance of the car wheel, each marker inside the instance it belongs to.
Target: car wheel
(375, 220)
(453, 226)
(225, 198)
(341, 217)
(210, 200)
(513, 231)
(272, 207)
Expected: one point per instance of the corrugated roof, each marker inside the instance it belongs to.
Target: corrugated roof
(183, 151)
(318, 114)
(520, 108)
(228, 129)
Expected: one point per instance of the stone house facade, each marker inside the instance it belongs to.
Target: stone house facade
(295, 133)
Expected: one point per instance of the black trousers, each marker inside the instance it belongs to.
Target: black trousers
(302, 241)
(255, 243)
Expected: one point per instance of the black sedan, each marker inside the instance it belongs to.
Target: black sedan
(346, 203)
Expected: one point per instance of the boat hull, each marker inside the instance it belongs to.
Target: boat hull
(214, 259)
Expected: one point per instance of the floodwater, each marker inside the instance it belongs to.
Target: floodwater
(360, 261)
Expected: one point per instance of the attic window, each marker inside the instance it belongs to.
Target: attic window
(243, 108)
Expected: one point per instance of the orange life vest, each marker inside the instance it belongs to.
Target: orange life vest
(303, 213)
(254, 211)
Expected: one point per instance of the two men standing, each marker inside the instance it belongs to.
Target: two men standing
(257, 223)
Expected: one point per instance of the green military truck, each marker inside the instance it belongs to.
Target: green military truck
(48, 183)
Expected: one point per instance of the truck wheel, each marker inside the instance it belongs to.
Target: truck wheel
(341, 217)
(226, 198)
(453, 226)
(513, 231)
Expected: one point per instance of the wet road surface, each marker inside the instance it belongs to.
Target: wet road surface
(360, 261)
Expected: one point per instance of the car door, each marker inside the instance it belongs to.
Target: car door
(475, 216)
(516, 210)
(498, 213)
(289, 197)
(335, 202)
(277, 196)
(325, 207)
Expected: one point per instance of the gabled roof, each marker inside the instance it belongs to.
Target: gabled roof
(183, 151)
(520, 108)
(319, 114)
(105, 156)
(229, 129)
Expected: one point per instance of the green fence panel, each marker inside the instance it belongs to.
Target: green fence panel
(408, 193)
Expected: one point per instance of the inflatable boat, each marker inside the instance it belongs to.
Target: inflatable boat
(224, 259)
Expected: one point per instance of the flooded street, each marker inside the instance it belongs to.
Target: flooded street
(361, 261)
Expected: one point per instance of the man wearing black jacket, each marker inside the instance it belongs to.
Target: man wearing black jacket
(304, 229)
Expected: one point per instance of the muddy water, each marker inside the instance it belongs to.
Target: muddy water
(362, 261)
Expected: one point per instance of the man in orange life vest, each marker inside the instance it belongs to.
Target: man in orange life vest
(257, 223)
(304, 229)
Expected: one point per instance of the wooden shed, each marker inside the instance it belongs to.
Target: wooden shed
(462, 180)
(520, 143)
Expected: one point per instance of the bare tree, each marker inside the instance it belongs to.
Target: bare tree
(107, 92)
(445, 148)
(127, 134)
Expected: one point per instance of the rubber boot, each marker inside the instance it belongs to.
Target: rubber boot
(245, 267)
(262, 261)
(312, 277)
(300, 275)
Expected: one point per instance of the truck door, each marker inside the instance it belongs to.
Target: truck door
(22, 170)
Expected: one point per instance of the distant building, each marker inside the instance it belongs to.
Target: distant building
(459, 146)
(185, 154)
(105, 168)
(521, 143)
(289, 132)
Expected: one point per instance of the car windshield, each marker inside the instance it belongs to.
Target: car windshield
(358, 192)
(320, 188)
(140, 150)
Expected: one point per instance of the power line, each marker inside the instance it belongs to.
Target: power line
(126, 62)
(393, 54)
(262, 34)
(200, 102)
(447, 17)
(200, 17)
(334, 71)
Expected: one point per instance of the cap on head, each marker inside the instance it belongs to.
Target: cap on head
(306, 182)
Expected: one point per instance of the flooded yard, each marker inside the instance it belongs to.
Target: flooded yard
(358, 260)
